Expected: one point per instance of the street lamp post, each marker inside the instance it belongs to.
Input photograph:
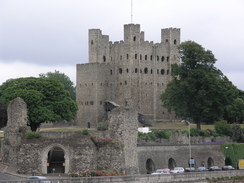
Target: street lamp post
(189, 128)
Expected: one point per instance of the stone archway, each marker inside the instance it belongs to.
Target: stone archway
(55, 156)
(210, 162)
(171, 164)
(55, 160)
(150, 166)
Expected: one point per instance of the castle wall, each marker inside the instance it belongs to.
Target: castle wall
(179, 154)
(137, 72)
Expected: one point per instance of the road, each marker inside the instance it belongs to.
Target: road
(9, 177)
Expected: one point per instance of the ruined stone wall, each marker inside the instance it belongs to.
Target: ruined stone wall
(137, 72)
(15, 130)
(79, 150)
(123, 127)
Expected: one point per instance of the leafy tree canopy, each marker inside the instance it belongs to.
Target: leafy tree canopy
(46, 99)
(235, 111)
(3, 115)
(197, 90)
(64, 79)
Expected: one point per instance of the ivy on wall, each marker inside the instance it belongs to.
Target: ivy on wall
(233, 152)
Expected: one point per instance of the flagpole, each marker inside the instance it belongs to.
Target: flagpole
(131, 11)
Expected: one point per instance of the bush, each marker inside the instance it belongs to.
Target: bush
(37, 135)
(102, 126)
(223, 128)
(215, 133)
(31, 135)
(152, 136)
(160, 134)
(237, 134)
(85, 132)
(194, 132)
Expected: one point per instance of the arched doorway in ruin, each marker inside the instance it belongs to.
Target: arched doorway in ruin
(171, 164)
(150, 166)
(210, 162)
(55, 159)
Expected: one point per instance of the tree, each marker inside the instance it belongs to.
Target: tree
(197, 90)
(64, 79)
(235, 111)
(3, 115)
(46, 99)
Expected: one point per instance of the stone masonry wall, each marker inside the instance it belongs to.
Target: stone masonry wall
(123, 127)
(178, 155)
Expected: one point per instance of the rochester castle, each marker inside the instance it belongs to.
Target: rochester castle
(132, 73)
(120, 80)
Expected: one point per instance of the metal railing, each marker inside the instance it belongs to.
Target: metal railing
(147, 178)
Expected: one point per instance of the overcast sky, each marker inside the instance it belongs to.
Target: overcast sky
(39, 36)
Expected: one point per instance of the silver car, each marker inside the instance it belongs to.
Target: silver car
(38, 179)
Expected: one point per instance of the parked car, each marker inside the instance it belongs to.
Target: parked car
(35, 179)
(201, 169)
(178, 170)
(214, 168)
(190, 169)
(228, 167)
(161, 171)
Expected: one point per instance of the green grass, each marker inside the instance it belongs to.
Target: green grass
(180, 126)
(66, 129)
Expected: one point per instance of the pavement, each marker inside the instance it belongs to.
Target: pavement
(7, 169)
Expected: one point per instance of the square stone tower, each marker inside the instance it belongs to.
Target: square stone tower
(132, 72)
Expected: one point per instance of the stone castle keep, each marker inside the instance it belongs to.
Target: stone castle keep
(132, 72)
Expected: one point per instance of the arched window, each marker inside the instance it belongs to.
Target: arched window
(167, 58)
(145, 57)
(162, 58)
(120, 70)
(127, 56)
(151, 71)
(136, 70)
(145, 70)
(157, 58)
(175, 41)
(104, 58)
(135, 56)
(134, 38)
(111, 72)
(162, 71)
(150, 167)
(151, 57)
(140, 57)
(171, 163)
(210, 162)
(166, 40)
(127, 70)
